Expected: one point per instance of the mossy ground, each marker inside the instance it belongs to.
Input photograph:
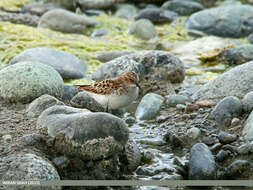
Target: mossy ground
(14, 5)
(17, 38)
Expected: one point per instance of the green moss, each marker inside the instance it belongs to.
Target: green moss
(14, 5)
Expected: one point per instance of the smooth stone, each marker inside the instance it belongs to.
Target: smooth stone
(208, 140)
(25, 81)
(94, 12)
(126, 11)
(235, 122)
(98, 33)
(96, 4)
(72, 23)
(226, 21)
(130, 120)
(69, 92)
(160, 62)
(237, 55)
(201, 164)
(226, 138)
(149, 106)
(61, 162)
(226, 110)
(37, 106)
(27, 166)
(77, 132)
(106, 56)
(175, 99)
(83, 100)
(66, 64)
(38, 8)
(237, 81)
(7, 138)
(157, 15)
(182, 7)
(222, 155)
(247, 102)
(32, 139)
(247, 131)
(237, 170)
(193, 132)
(143, 29)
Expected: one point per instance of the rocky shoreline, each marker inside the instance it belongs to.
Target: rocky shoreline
(183, 125)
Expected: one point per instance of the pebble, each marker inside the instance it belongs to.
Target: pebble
(247, 131)
(157, 15)
(7, 138)
(193, 132)
(226, 138)
(98, 33)
(130, 120)
(69, 92)
(173, 139)
(216, 147)
(235, 122)
(226, 110)
(175, 99)
(201, 164)
(191, 107)
(222, 155)
(149, 106)
(238, 169)
(143, 29)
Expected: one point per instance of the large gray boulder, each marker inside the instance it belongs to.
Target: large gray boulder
(159, 62)
(82, 133)
(68, 65)
(237, 81)
(227, 21)
(25, 81)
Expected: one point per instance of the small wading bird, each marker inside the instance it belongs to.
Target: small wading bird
(116, 92)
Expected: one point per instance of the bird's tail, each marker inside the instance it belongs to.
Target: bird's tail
(83, 87)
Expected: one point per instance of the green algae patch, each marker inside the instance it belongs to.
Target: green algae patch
(174, 31)
(17, 38)
(14, 5)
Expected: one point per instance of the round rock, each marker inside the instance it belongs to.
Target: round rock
(226, 138)
(149, 106)
(143, 29)
(68, 65)
(182, 7)
(27, 166)
(72, 23)
(175, 99)
(157, 15)
(25, 81)
(37, 106)
(83, 100)
(237, 55)
(227, 21)
(126, 11)
(226, 110)
(201, 164)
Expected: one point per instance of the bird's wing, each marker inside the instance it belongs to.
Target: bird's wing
(108, 86)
